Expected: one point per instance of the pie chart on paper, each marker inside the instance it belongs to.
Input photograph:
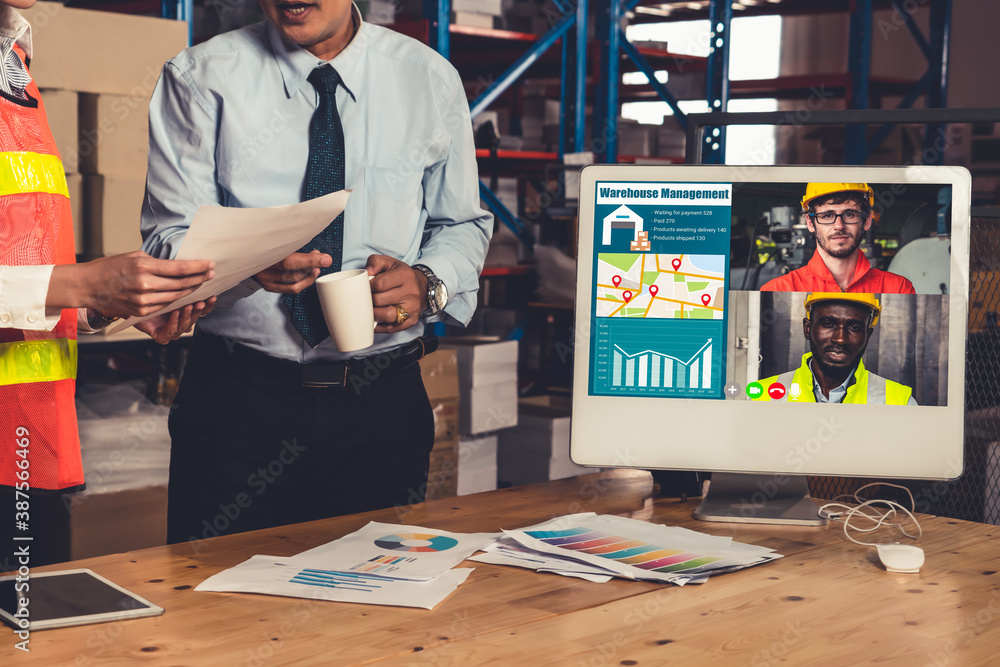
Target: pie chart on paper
(416, 542)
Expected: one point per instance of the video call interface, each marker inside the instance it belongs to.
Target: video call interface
(698, 292)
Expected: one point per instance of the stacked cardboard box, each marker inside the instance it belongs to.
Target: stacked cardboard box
(440, 374)
(487, 374)
(61, 107)
(126, 454)
(537, 449)
(642, 242)
(113, 62)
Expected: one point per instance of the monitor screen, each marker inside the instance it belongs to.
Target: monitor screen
(778, 320)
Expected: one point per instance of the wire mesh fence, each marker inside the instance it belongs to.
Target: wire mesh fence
(975, 495)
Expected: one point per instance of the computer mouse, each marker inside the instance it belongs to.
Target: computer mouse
(901, 557)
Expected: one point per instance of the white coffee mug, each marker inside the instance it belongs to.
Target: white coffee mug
(346, 298)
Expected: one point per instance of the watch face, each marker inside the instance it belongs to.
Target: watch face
(440, 296)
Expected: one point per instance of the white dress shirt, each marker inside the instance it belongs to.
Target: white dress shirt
(229, 126)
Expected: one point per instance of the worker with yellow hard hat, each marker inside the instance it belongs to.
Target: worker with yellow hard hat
(838, 326)
(838, 215)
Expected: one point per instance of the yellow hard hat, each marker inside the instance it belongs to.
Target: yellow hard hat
(814, 190)
(867, 300)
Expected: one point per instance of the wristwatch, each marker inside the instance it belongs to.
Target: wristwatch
(98, 320)
(437, 292)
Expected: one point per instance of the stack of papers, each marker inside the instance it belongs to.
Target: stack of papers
(382, 563)
(594, 546)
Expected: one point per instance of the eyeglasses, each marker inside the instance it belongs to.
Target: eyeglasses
(850, 217)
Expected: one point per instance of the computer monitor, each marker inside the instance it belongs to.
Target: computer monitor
(708, 338)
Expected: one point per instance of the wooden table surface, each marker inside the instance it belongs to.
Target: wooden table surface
(827, 602)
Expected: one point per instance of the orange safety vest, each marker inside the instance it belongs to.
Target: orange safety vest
(37, 368)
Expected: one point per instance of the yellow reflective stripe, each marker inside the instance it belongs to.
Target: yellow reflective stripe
(31, 172)
(37, 361)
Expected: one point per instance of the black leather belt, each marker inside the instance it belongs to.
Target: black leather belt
(321, 374)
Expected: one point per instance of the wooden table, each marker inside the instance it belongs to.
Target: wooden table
(828, 601)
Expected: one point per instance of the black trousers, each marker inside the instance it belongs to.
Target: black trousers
(252, 448)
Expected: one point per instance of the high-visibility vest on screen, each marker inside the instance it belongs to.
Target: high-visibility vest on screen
(37, 368)
(867, 387)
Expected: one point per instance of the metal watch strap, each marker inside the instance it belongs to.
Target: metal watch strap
(433, 283)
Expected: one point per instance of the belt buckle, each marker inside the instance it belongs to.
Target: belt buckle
(316, 376)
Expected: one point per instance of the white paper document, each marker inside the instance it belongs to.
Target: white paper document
(244, 241)
(275, 575)
(640, 550)
(506, 551)
(396, 551)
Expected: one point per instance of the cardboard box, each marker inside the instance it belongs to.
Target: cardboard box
(487, 375)
(113, 205)
(439, 371)
(100, 52)
(114, 134)
(89, 524)
(442, 475)
(61, 109)
(74, 183)
(117, 521)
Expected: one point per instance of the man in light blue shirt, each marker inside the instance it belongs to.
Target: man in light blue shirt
(268, 429)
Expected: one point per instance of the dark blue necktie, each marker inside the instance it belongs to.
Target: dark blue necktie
(324, 174)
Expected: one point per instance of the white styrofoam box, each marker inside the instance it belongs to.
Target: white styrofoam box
(488, 408)
(477, 482)
(487, 378)
(506, 192)
(123, 438)
(483, 360)
(477, 452)
(552, 108)
(517, 468)
(473, 19)
(571, 183)
(477, 465)
(492, 7)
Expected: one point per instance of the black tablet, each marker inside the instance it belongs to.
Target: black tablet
(70, 597)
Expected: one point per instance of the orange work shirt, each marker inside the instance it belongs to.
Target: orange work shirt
(816, 277)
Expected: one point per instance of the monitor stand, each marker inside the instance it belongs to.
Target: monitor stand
(746, 498)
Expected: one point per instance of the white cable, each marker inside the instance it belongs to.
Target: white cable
(839, 510)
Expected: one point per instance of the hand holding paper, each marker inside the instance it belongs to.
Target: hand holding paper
(245, 241)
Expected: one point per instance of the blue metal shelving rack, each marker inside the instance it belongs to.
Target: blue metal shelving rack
(609, 13)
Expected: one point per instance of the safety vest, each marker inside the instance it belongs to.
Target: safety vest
(37, 368)
(867, 387)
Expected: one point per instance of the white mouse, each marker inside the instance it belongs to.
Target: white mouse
(901, 557)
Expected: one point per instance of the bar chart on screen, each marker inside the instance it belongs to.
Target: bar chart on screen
(680, 359)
